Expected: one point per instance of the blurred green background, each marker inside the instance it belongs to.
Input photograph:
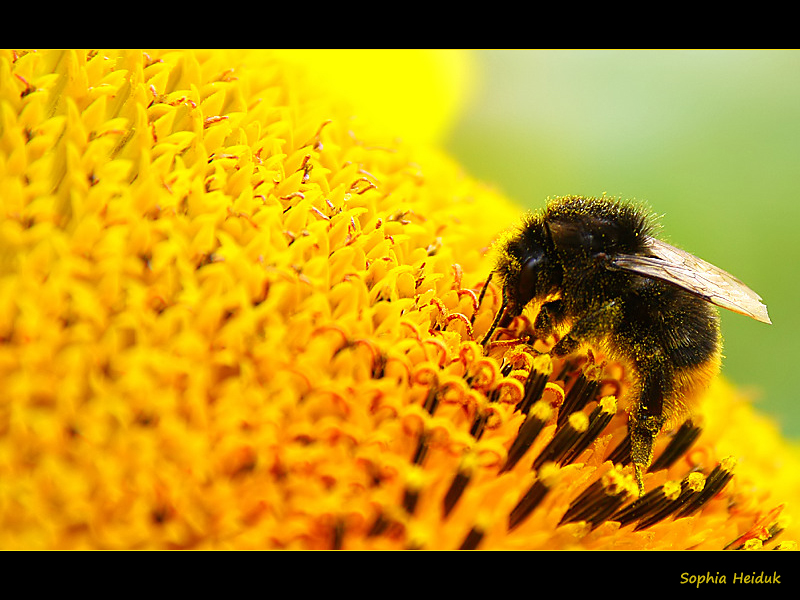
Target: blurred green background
(708, 139)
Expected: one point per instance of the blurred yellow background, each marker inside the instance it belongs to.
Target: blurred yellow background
(708, 139)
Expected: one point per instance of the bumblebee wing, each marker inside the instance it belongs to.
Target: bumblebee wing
(695, 275)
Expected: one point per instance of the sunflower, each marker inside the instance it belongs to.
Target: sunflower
(234, 316)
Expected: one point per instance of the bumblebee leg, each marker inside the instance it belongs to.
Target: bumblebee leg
(550, 316)
(566, 345)
(596, 323)
(647, 418)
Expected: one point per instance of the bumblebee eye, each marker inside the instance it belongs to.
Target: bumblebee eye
(528, 276)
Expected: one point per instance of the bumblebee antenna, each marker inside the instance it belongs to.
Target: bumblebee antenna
(500, 312)
(480, 297)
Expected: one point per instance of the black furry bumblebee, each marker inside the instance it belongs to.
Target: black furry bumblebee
(600, 277)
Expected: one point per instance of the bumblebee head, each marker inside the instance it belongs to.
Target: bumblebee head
(582, 228)
(528, 265)
(563, 245)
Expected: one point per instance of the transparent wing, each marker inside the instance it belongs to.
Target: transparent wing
(695, 275)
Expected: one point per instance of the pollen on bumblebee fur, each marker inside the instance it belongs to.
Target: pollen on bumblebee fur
(232, 317)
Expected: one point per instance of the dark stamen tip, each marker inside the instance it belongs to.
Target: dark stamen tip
(601, 499)
(680, 443)
(472, 540)
(601, 416)
(563, 440)
(531, 428)
(457, 486)
(547, 477)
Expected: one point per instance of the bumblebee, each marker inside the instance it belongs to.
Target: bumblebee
(600, 277)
